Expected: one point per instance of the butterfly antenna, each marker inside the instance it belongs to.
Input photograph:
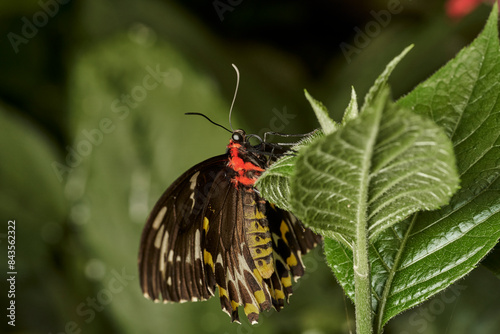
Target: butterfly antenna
(232, 104)
(200, 114)
(235, 93)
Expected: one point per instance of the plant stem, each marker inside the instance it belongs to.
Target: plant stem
(362, 286)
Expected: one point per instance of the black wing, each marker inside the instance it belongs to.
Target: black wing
(171, 254)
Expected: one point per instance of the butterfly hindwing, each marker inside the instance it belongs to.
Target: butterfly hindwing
(248, 251)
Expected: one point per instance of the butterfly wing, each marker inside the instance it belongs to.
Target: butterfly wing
(206, 233)
(252, 250)
(171, 256)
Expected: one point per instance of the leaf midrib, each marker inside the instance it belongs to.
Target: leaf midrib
(392, 272)
(474, 87)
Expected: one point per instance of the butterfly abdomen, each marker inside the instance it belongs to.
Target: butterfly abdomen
(257, 234)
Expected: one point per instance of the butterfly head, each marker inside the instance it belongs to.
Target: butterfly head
(238, 137)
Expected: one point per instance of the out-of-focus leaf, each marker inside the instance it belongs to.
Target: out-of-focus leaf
(492, 261)
(32, 197)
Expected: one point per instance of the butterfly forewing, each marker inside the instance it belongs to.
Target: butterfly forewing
(170, 258)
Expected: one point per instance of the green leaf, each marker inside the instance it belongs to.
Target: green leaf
(382, 79)
(378, 169)
(327, 124)
(464, 98)
(426, 253)
(274, 184)
(352, 109)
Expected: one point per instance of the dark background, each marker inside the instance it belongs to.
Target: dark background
(87, 143)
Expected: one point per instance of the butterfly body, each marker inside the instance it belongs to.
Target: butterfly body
(211, 230)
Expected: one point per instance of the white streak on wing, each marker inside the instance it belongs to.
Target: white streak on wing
(159, 237)
(193, 179)
(170, 256)
(169, 280)
(197, 245)
(163, 251)
(243, 265)
(159, 218)
(192, 185)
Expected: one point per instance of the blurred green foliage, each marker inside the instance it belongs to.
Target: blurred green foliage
(80, 84)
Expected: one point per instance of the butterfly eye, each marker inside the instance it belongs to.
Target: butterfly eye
(236, 137)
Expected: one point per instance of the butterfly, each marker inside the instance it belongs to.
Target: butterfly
(212, 232)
